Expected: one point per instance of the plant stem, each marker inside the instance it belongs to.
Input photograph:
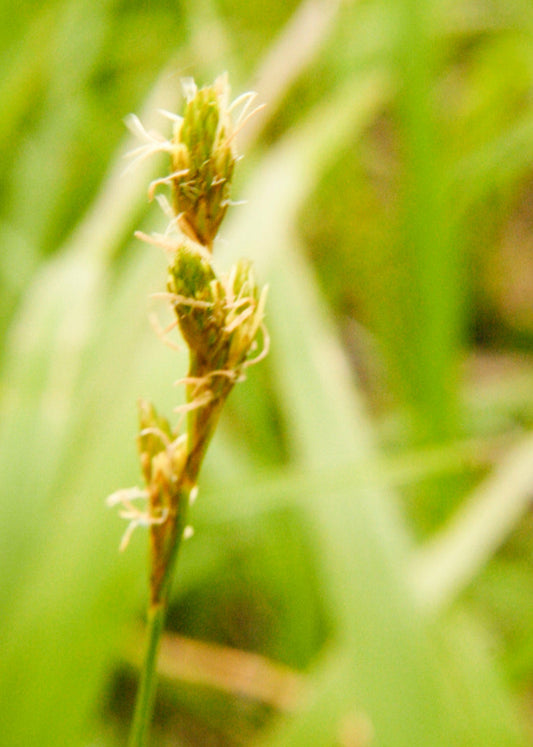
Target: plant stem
(147, 686)
(157, 612)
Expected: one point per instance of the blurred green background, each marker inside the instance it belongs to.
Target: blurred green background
(361, 571)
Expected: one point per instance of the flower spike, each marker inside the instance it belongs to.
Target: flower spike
(221, 319)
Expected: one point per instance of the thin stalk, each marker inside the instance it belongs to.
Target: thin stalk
(144, 704)
(156, 616)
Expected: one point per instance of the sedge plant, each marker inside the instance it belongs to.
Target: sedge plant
(220, 317)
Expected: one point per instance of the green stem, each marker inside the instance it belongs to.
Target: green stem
(144, 704)
(157, 611)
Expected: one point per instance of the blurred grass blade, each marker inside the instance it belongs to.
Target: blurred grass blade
(457, 553)
(289, 55)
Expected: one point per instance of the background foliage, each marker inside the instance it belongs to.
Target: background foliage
(361, 569)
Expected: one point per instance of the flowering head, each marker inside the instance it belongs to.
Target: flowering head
(162, 457)
(245, 305)
(203, 161)
(155, 438)
(194, 290)
(202, 154)
(219, 317)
